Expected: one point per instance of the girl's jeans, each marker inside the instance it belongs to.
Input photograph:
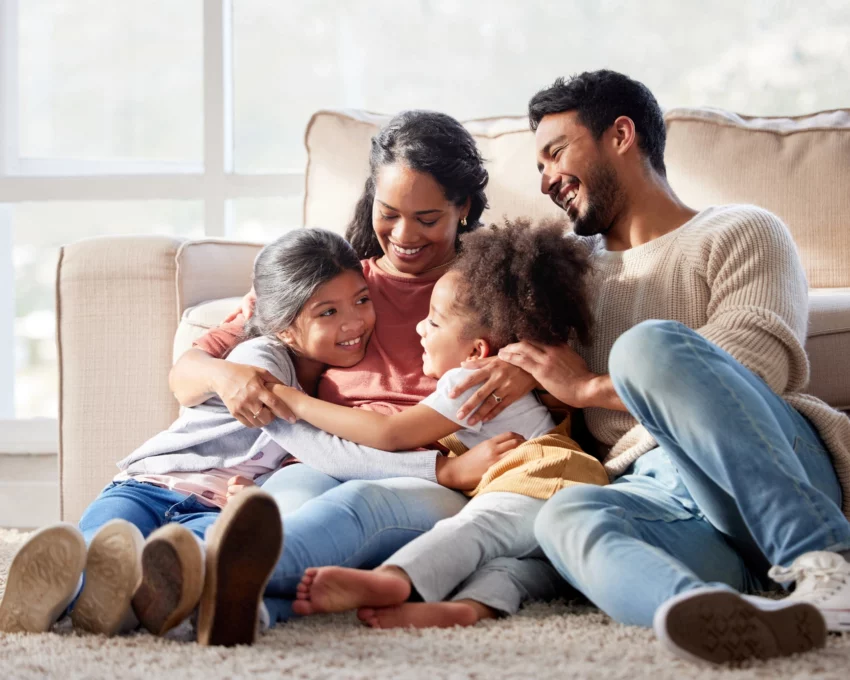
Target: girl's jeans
(739, 481)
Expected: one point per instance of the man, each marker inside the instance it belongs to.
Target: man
(720, 466)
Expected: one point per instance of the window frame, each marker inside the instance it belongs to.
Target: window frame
(214, 182)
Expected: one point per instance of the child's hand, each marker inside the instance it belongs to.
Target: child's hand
(237, 484)
(464, 472)
(246, 307)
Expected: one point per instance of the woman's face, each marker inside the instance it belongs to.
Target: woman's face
(335, 324)
(414, 222)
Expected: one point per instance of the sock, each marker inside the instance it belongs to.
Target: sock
(264, 619)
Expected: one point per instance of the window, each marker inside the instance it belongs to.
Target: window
(187, 117)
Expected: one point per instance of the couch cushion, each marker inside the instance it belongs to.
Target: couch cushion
(828, 344)
(338, 145)
(199, 319)
(798, 168)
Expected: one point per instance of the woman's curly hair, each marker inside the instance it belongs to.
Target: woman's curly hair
(521, 281)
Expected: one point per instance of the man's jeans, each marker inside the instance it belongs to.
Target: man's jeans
(739, 481)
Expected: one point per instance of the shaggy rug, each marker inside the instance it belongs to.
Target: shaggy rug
(559, 640)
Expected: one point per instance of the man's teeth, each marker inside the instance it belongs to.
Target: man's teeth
(406, 251)
(350, 343)
(570, 197)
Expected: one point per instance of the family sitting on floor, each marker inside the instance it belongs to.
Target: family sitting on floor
(385, 423)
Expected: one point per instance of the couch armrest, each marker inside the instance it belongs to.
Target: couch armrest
(119, 301)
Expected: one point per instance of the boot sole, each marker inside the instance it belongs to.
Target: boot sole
(113, 571)
(723, 628)
(172, 579)
(242, 550)
(42, 580)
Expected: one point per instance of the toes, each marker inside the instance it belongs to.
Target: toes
(365, 613)
(303, 607)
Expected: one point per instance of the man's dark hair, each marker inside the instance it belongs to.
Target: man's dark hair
(521, 281)
(599, 98)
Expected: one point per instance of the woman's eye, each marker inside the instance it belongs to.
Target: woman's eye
(428, 224)
(328, 312)
(388, 217)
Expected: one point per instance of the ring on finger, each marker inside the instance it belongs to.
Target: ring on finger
(496, 397)
(257, 414)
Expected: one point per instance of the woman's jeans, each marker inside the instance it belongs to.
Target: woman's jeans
(362, 523)
(739, 481)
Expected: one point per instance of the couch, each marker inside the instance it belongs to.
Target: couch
(126, 307)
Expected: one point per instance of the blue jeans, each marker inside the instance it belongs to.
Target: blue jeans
(148, 507)
(739, 481)
(351, 524)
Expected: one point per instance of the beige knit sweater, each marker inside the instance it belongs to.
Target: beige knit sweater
(732, 273)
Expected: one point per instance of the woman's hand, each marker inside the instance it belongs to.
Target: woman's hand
(464, 472)
(497, 379)
(246, 307)
(246, 395)
(237, 484)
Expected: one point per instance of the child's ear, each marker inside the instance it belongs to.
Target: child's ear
(286, 336)
(480, 349)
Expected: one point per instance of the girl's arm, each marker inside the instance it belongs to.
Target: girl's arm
(417, 426)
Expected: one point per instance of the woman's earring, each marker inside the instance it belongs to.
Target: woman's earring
(463, 221)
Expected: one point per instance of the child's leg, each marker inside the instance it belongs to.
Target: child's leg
(114, 526)
(173, 567)
(499, 587)
(489, 526)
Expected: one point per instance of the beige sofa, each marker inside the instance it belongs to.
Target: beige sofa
(127, 306)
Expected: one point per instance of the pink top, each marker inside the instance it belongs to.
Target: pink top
(389, 378)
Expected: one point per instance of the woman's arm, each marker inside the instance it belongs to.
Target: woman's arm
(244, 389)
(414, 427)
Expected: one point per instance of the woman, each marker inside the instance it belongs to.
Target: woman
(426, 187)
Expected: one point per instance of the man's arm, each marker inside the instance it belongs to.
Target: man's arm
(417, 426)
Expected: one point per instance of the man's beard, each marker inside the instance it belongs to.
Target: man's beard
(604, 196)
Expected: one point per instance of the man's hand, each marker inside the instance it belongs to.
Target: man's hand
(244, 391)
(237, 484)
(564, 374)
(246, 307)
(497, 379)
(464, 472)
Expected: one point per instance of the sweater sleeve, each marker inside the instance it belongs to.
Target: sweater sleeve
(758, 305)
(345, 460)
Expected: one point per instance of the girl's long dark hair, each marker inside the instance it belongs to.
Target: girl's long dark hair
(429, 142)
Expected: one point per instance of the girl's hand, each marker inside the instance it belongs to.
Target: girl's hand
(496, 377)
(464, 472)
(246, 395)
(246, 307)
(237, 484)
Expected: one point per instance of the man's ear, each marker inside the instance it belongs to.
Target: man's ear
(480, 349)
(624, 134)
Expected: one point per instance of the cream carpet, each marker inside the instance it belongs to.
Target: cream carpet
(544, 641)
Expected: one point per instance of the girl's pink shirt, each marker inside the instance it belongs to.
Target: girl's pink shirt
(389, 378)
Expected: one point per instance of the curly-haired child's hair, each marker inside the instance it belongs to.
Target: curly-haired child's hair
(525, 282)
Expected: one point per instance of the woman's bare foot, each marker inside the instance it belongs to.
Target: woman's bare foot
(424, 615)
(338, 589)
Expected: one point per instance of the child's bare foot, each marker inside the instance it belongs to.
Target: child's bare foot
(421, 615)
(338, 589)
